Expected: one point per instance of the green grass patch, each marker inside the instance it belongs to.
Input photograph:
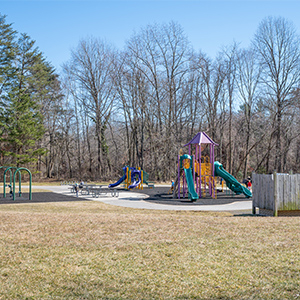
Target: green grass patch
(89, 250)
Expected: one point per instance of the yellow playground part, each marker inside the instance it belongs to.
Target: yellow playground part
(207, 180)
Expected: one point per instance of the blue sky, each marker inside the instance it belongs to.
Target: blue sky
(57, 26)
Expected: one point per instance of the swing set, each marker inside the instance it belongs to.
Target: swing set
(13, 171)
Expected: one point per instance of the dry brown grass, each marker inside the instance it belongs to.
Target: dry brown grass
(89, 250)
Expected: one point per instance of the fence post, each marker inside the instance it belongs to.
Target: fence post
(275, 179)
(253, 199)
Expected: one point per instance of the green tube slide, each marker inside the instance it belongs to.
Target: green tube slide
(231, 182)
(193, 196)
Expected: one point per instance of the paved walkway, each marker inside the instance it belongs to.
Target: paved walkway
(136, 200)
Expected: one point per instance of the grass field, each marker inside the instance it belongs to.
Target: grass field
(89, 250)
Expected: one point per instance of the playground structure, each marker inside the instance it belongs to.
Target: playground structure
(200, 175)
(132, 178)
(197, 171)
(12, 181)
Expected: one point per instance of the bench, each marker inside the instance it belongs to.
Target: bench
(94, 190)
(86, 189)
(151, 184)
(98, 191)
(72, 188)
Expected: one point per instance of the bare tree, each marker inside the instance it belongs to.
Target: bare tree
(92, 68)
(248, 76)
(278, 48)
(212, 84)
(161, 55)
(229, 61)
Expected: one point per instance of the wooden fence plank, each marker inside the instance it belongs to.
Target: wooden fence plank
(277, 192)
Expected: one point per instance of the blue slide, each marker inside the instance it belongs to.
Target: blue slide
(231, 182)
(120, 180)
(136, 180)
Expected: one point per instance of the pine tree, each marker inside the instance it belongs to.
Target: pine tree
(7, 54)
(23, 127)
(28, 85)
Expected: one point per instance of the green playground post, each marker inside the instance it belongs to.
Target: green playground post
(14, 182)
(4, 178)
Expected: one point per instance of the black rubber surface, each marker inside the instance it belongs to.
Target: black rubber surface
(40, 198)
(156, 195)
(160, 195)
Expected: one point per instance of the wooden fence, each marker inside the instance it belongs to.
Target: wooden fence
(276, 194)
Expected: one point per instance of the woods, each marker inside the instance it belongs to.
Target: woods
(138, 106)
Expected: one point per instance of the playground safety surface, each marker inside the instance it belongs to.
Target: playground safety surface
(156, 198)
(160, 195)
(39, 197)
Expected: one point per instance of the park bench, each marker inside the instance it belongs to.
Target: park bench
(98, 190)
(72, 188)
(150, 184)
(86, 189)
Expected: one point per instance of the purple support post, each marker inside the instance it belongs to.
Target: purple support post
(200, 191)
(183, 185)
(178, 178)
(213, 160)
(211, 171)
(213, 168)
(196, 160)
(194, 176)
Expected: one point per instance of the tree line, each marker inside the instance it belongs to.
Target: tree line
(139, 106)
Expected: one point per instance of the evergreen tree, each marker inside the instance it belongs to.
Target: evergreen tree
(23, 127)
(29, 85)
(7, 54)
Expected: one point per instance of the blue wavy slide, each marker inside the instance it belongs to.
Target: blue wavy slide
(136, 180)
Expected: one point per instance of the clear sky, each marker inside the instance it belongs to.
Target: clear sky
(58, 25)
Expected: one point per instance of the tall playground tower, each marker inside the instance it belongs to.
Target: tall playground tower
(201, 152)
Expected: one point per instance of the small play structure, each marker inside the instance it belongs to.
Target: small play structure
(197, 171)
(132, 178)
(13, 171)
